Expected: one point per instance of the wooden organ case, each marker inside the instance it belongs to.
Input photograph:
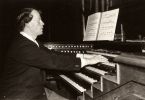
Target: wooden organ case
(122, 78)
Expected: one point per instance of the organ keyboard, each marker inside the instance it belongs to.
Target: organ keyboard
(98, 80)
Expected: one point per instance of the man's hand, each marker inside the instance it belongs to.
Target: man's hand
(90, 59)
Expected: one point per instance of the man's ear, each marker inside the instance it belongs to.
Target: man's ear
(28, 25)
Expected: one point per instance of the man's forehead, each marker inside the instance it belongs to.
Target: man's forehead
(35, 14)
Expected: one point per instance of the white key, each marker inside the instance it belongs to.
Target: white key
(75, 85)
(86, 78)
(109, 64)
(101, 72)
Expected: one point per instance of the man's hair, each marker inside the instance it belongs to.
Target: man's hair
(24, 17)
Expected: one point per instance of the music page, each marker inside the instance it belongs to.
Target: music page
(92, 27)
(108, 25)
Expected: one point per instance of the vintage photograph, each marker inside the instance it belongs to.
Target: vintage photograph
(72, 50)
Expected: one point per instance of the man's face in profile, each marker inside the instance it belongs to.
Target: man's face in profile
(36, 24)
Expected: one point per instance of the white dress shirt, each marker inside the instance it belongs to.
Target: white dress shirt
(29, 37)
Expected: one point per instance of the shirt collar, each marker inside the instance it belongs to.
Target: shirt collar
(29, 37)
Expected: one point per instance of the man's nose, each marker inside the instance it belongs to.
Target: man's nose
(42, 23)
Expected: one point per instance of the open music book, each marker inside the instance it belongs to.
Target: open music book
(101, 26)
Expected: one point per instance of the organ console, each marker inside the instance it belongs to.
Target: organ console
(122, 78)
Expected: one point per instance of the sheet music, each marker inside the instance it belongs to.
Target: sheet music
(108, 25)
(92, 27)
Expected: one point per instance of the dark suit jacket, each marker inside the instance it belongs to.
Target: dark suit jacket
(21, 77)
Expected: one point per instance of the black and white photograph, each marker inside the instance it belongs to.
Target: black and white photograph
(72, 50)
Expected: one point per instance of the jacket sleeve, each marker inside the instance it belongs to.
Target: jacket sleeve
(46, 59)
